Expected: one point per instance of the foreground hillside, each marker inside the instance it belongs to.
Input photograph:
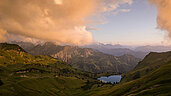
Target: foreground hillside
(154, 82)
(22, 74)
(151, 62)
(85, 58)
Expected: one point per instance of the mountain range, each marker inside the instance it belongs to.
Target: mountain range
(22, 74)
(118, 50)
(85, 59)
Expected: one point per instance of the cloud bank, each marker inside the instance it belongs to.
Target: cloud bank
(164, 14)
(61, 21)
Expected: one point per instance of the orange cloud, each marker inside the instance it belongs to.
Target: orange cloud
(164, 14)
(62, 21)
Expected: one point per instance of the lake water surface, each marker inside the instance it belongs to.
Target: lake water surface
(112, 79)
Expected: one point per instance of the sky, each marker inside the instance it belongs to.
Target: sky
(82, 22)
(136, 27)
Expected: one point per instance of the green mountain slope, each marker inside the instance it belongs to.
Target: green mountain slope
(87, 59)
(151, 61)
(22, 74)
(155, 82)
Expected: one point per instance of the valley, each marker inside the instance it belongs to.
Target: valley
(23, 74)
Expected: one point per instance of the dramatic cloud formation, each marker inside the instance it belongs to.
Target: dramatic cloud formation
(164, 14)
(61, 21)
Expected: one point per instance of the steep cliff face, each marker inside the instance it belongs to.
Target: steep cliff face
(70, 52)
(129, 59)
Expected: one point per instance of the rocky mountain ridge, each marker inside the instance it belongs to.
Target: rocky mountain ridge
(86, 59)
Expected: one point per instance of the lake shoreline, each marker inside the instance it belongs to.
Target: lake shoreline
(114, 79)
